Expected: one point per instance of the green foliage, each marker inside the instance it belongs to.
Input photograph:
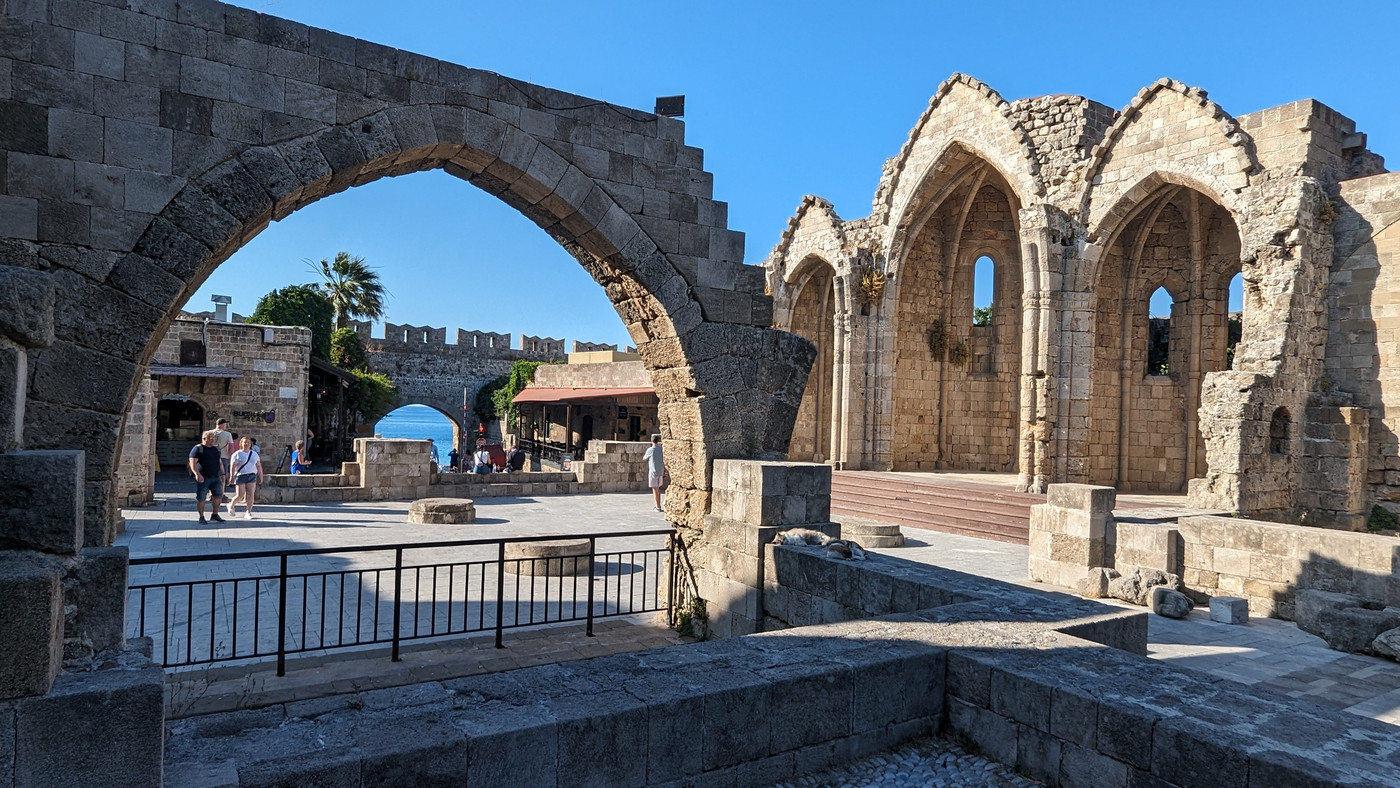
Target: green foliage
(347, 351)
(937, 339)
(691, 619)
(299, 305)
(1382, 519)
(353, 288)
(485, 405)
(371, 395)
(958, 353)
(1234, 331)
(522, 374)
(982, 315)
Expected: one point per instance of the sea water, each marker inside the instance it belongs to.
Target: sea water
(419, 422)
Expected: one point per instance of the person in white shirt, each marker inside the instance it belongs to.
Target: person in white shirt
(246, 471)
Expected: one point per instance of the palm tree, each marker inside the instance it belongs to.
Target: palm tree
(353, 288)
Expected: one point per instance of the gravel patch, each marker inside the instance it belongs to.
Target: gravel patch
(922, 763)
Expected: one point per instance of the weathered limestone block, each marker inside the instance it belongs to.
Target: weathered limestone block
(94, 590)
(31, 629)
(1229, 610)
(1068, 533)
(1310, 606)
(26, 306)
(94, 728)
(1169, 603)
(1137, 586)
(1387, 643)
(1355, 629)
(41, 502)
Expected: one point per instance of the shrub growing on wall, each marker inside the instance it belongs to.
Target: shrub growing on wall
(299, 305)
(372, 395)
(347, 351)
(522, 374)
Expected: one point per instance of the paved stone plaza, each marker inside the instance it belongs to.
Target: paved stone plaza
(1269, 654)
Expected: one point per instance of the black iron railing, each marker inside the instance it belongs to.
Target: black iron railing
(275, 603)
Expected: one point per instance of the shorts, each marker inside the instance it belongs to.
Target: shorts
(656, 480)
(245, 478)
(482, 469)
(215, 487)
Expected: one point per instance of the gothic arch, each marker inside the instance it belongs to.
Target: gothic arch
(1206, 147)
(962, 109)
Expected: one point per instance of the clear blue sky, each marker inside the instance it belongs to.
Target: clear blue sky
(786, 99)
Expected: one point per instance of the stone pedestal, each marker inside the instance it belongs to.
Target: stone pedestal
(1068, 533)
(442, 511)
(558, 558)
(752, 501)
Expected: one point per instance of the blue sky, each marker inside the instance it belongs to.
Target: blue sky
(785, 99)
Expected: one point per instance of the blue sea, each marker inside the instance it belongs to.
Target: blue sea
(420, 422)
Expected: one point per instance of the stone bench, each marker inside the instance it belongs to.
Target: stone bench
(442, 511)
(558, 558)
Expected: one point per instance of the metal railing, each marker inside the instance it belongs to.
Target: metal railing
(547, 450)
(319, 599)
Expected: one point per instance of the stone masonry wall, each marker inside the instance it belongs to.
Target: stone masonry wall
(619, 374)
(273, 381)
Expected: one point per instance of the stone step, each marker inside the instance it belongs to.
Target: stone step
(871, 534)
(962, 509)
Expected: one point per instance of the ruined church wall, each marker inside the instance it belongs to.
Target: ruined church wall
(1363, 348)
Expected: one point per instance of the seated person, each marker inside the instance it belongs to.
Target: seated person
(515, 460)
(300, 462)
(481, 461)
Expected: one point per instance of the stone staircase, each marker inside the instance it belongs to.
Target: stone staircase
(950, 507)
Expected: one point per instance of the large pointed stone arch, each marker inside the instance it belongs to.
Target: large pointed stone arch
(251, 117)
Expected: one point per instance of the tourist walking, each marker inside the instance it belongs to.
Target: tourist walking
(206, 463)
(656, 471)
(223, 440)
(247, 472)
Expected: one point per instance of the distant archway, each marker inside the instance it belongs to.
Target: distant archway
(813, 315)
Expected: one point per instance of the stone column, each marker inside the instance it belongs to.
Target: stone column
(1042, 248)
(752, 501)
(1069, 533)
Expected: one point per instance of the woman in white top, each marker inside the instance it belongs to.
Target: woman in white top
(246, 469)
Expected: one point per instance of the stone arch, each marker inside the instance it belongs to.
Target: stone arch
(1184, 240)
(813, 229)
(962, 109)
(580, 169)
(812, 311)
(1197, 141)
(954, 399)
(401, 403)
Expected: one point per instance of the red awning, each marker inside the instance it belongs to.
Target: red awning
(533, 394)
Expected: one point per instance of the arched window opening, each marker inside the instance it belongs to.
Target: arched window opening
(1159, 332)
(1234, 326)
(983, 290)
(1278, 432)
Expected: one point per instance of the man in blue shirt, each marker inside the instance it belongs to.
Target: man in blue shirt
(206, 463)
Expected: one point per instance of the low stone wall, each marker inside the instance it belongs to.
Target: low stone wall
(399, 469)
(1267, 562)
(762, 709)
(1263, 562)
